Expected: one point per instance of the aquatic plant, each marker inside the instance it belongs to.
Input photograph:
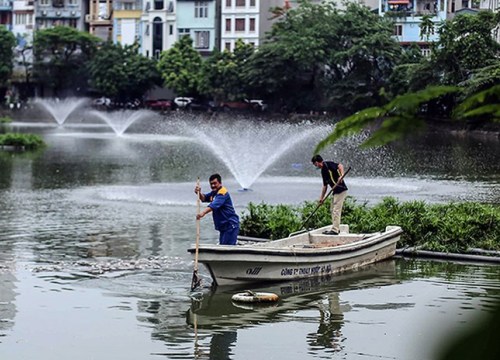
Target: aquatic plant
(25, 141)
(453, 227)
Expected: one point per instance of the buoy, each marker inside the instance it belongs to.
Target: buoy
(255, 297)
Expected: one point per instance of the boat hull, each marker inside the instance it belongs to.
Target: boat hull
(303, 256)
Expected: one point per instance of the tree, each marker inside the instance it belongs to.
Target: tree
(61, 55)
(121, 73)
(466, 43)
(403, 116)
(290, 63)
(223, 74)
(318, 56)
(7, 43)
(24, 53)
(180, 67)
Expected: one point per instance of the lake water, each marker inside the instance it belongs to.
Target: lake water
(94, 232)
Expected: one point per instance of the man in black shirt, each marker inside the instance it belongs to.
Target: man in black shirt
(331, 172)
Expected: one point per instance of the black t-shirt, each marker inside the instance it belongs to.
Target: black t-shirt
(330, 174)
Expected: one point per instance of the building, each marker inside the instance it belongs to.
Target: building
(198, 19)
(99, 18)
(240, 19)
(50, 13)
(158, 24)
(127, 21)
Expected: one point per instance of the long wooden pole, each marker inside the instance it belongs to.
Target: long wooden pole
(195, 282)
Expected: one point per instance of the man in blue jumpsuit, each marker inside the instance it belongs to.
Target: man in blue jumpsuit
(226, 220)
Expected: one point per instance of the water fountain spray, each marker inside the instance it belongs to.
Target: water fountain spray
(60, 110)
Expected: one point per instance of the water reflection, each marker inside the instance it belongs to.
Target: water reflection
(7, 298)
(215, 319)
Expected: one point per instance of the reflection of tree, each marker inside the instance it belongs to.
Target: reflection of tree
(329, 335)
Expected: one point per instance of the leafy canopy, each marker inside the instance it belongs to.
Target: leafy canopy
(180, 67)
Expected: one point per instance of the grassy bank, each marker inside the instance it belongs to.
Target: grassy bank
(453, 227)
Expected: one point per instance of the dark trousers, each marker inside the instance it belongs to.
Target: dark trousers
(230, 235)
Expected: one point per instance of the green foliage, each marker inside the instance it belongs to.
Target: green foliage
(223, 75)
(180, 67)
(121, 73)
(317, 56)
(466, 43)
(28, 141)
(451, 227)
(267, 221)
(61, 56)
(483, 105)
(400, 117)
(5, 120)
(482, 79)
(7, 43)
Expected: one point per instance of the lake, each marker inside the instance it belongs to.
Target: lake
(94, 232)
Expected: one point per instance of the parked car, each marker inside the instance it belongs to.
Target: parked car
(236, 105)
(258, 104)
(253, 104)
(160, 104)
(102, 102)
(201, 105)
(182, 102)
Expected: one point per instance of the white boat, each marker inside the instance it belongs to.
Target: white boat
(304, 255)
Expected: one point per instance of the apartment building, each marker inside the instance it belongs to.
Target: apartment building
(6, 14)
(240, 19)
(198, 20)
(158, 23)
(50, 13)
(408, 16)
(99, 18)
(127, 21)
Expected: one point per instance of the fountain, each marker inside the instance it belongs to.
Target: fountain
(61, 109)
(248, 148)
(121, 120)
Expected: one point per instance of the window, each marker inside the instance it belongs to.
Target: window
(170, 29)
(44, 2)
(183, 32)
(240, 3)
(426, 52)
(73, 2)
(228, 24)
(58, 3)
(201, 39)
(465, 3)
(20, 19)
(200, 9)
(252, 3)
(227, 46)
(252, 25)
(228, 3)
(128, 6)
(398, 30)
(158, 4)
(239, 25)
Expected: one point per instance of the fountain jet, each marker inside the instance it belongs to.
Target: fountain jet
(248, 148)
(120, 120)
(60, 110)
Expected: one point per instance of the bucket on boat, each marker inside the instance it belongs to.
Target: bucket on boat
(255, 297)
